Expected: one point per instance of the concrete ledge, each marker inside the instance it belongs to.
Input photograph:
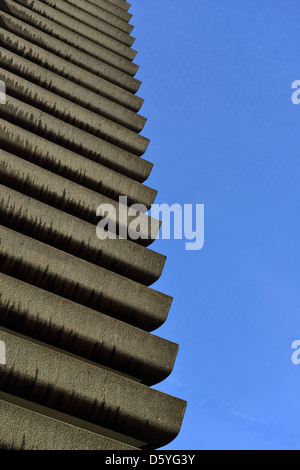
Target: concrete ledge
(71, 91)
(70, 165)
(71, 197)
(24, 429)
(97, 8)
(77, 237)
(72, 31)
(70, 137)
(74, 114)
(76, 311)
(73, 55)
(73, 73)
(75, 279)
(119, 3)
(88, 392)
(96, 23)
(85, 332)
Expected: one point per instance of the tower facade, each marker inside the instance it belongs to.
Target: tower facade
(78, 357)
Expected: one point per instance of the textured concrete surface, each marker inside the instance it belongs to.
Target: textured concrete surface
(90, 285)
(70, 165)
(97, 24)
(24, 429)
(70, 91)
(72, 113)
(96, 14)
(71, 197)
(76, 167)
(69, 136)
(72, 72)
(76, 310)
(77, 237)
(73, 55)
(118, 3)
(71, 31)
(97, 9)
(60, 381)
(90, 334)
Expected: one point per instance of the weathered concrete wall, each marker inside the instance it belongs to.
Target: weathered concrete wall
(65, 68)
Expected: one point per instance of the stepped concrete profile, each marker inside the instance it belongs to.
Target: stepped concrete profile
(52, 432)
(88, 391)
(80, 117)
(122, 76)
(97, 10)
(72, 72)
(71, 91)
(69, 30)
(77, 310)
(92, 14)
(62, 230)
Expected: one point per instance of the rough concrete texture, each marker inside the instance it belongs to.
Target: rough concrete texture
(72, 72)
(73, 278)
(97, 10)
(72, 198)
(71, 165)
(55, 379)
(76, 167)
(118, 3)
(77, 237)
(73, 55)
(71, 91)
(76, 309)
(71, 31)
(72, 8)
(99, 25)
(90, 334)
(69, 112)
(69, 136)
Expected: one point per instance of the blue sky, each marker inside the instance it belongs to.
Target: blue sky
(217, 78)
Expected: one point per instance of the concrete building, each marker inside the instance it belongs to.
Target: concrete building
(77, 314)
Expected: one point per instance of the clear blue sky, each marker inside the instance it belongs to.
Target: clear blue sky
(217, 78)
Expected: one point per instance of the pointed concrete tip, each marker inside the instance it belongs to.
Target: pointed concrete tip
(135, 85)
(121, 4)
(143, 121)
(135, 68)
(140, 104)
(145, 144)
(131, 40)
